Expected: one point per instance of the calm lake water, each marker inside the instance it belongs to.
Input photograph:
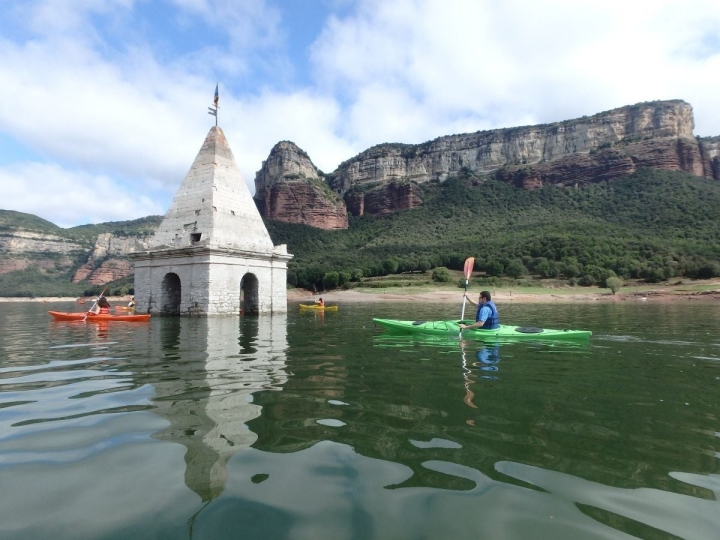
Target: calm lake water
(311, 426)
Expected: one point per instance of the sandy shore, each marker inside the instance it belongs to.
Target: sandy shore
(665, 294)
(503, 296)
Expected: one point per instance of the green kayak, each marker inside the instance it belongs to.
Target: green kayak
(504, 332)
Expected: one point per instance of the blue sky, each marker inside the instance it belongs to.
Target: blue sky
(103, 103)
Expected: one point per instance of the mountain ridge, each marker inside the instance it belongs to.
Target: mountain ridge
(365, 217)
(388, 177)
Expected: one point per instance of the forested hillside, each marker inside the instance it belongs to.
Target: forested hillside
(652, 225)
(38, 258)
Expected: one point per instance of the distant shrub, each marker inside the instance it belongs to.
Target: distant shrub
(515, 269)
(614, 284)
(343, 278)
(709, 270)
(423, 265)
(331, 280)
(441, 275)
(494, 268)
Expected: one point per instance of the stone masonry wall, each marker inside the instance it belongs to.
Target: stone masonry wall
(210, 284)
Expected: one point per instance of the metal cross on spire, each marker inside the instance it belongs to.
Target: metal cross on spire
(213, 110)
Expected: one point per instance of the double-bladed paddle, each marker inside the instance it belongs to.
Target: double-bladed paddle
(95, 303)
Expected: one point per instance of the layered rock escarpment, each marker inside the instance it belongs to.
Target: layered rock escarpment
(590, 149)
(384, 198)
(289, 188)
(20, 249)
(606, 146)
(50, 253)
(104, 272)
(710, 149)
(108, 260)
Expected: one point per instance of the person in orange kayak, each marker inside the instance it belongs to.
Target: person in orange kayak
(102, 307)
(131, 305)
(320, 302)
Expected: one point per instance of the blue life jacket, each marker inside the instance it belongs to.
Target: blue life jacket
(493, 320)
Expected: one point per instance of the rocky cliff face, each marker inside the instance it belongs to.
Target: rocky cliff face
(20, 249)
(107, 261)
(710, 150)
(104, 272)
(387, 177)
(657, 135)
(384, 198)
(289, 188)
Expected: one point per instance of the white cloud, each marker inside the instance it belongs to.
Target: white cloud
(250, 24)
(69, 198)
(304, 118)
(134, 113)
(48, 17)
(506, 63)
(97, 115)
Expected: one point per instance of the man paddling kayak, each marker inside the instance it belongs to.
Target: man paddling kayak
(487, 317)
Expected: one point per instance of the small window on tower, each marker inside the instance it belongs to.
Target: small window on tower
(195, 237)
(232, 212)
(197, 212)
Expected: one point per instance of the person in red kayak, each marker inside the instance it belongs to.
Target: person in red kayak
(320, 302)
(102, 307)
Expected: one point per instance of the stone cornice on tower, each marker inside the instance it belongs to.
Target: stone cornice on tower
(279, 253)
(213, 207)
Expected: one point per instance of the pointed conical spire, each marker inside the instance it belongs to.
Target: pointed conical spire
(213, 206)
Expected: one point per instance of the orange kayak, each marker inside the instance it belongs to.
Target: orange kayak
(62, 316)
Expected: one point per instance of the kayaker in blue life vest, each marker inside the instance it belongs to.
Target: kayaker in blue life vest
(487, 317)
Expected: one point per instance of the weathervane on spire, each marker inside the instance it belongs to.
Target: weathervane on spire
(213, 110)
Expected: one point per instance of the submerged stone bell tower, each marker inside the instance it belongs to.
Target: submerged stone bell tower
(212, 254)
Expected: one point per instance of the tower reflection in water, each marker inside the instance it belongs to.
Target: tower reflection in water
(209, 369)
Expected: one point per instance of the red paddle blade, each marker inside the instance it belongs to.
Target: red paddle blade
(469, 264)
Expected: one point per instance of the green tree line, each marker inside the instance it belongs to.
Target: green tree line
(653, 225)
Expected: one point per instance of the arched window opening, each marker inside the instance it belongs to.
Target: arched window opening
(249, 297)
(170, 297)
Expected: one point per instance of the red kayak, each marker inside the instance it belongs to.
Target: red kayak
(62, 316)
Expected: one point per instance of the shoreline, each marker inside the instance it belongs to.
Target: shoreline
(516, 296)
